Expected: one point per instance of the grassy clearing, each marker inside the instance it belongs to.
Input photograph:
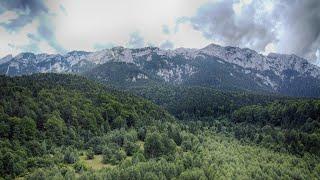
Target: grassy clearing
(95, 163)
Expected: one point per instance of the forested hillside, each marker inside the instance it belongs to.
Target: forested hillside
(67, 127)
(41, 112)
(281, 123)
(187, 102)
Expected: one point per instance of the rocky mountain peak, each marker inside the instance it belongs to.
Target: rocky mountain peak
(174, 66)
(6, 59)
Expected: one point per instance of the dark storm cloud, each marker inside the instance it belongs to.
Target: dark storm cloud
(27, 10)
(218, 21)
(302, 31)
(45, 31)
(292, 25)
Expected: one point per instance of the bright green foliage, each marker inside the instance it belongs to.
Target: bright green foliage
(150, 176)
(193, 174)
(90, 154)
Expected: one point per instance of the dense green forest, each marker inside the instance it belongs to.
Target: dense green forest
(186, 102)
(281, 123)
(67, 127)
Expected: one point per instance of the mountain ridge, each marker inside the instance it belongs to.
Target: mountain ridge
(187, 52)
(214, 65)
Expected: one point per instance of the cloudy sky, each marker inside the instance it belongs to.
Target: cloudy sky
(58, 26)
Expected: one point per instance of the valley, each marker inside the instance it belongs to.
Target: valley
(57, 126)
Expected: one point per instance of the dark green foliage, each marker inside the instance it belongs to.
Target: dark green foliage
(119, 122)
(121, 74)
(12, 163)
(47, 121)
(298, 120)
(157, 144)
(286, 114)
(142, 133)
(70, 156)
(113, 155)
(293, 123)
(130, 147)
(194, 102)
(174, 133)
(55, 129)
(41, 112)
(153, 146)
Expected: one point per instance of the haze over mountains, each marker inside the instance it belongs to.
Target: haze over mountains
(227, 68)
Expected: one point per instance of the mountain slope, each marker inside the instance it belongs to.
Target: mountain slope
(228, 68)
(121, 74)
(55, 126)
(187, 102)
(40, 95)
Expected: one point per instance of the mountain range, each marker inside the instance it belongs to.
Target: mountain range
(159, 114)
(226, 68)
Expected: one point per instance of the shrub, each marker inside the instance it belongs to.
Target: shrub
(157, 145)
(70, 156)
(130, 148)
(79, 167)
(90, 154)
(113, 155)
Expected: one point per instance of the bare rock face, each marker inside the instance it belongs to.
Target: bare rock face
(213, 65)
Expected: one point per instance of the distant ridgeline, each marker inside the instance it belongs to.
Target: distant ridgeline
(225, 68)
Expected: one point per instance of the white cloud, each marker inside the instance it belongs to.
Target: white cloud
(270, 48)
(98, 22)
(17, 42)
(237, 7)
(263, 25)
(188, 37)
(318, 57)
(45, 47)
(18, 39)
